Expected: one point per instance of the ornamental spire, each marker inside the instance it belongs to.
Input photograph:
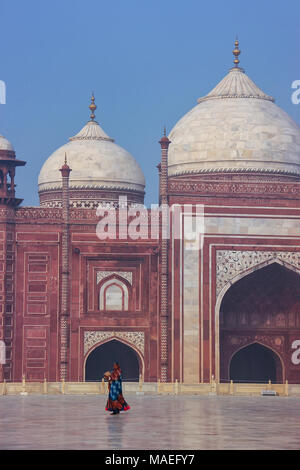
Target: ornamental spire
(236, 52)
(92, 107)
(65, 169)
(164, 141)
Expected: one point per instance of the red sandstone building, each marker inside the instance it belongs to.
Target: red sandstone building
(224, 304)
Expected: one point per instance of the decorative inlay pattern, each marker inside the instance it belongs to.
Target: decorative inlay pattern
(91, 204)
(232, 263)
(82, 199)
(125, 274)
(292, 189)
(97, 185)
(136, 338)
(39, 213)
(173, 172)
(51, 213)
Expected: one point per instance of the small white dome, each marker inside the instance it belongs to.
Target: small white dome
(5, 144)
(235, 128)
(97, 163)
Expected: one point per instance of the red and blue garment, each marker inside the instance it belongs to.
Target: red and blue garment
(116, 400)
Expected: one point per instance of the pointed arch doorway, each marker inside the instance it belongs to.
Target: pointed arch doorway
(259, 307)
(102, 357)
(255, 363)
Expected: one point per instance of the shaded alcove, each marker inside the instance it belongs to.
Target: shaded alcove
(102, 358)
(255, 363)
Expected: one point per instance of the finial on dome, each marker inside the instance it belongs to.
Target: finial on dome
(92, 107)
(165, 132)
(236, 52)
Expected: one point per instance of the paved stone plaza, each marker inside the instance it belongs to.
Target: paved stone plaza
(154, 422)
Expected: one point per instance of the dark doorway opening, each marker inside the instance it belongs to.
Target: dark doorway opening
(255, 363)
(102, 358)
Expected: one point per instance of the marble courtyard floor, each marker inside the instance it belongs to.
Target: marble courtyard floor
(154, 422)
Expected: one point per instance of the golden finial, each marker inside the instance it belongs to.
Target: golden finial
(65, 158)
(93, 107)
(236, 52)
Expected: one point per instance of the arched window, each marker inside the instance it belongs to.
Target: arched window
(113, 295)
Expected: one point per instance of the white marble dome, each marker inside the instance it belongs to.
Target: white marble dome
(96, 163)
(235, 128)
(5, 144)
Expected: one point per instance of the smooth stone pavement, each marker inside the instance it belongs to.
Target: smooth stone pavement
(154, 422)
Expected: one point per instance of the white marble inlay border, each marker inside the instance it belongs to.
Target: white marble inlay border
(136, 338)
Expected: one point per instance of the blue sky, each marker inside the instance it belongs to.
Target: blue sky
(146, 61)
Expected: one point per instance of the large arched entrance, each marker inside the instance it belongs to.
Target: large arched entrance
(262, 307)
(255, 363)
(102, 358)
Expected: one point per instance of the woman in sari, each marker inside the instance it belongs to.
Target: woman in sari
(116, 402)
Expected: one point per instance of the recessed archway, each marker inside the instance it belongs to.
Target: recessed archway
(103, 356)
(255, 363)
(261, 306)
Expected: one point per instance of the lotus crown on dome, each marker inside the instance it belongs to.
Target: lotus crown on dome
(236, 84)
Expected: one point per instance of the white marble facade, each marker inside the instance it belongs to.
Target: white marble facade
(191, 310)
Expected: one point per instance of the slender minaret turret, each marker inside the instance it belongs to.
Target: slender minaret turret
(65, 295)
(164, 337)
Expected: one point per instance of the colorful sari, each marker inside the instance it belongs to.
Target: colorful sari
(116, 402)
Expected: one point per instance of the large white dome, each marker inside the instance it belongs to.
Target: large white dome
(235, 128)
(97, 163)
